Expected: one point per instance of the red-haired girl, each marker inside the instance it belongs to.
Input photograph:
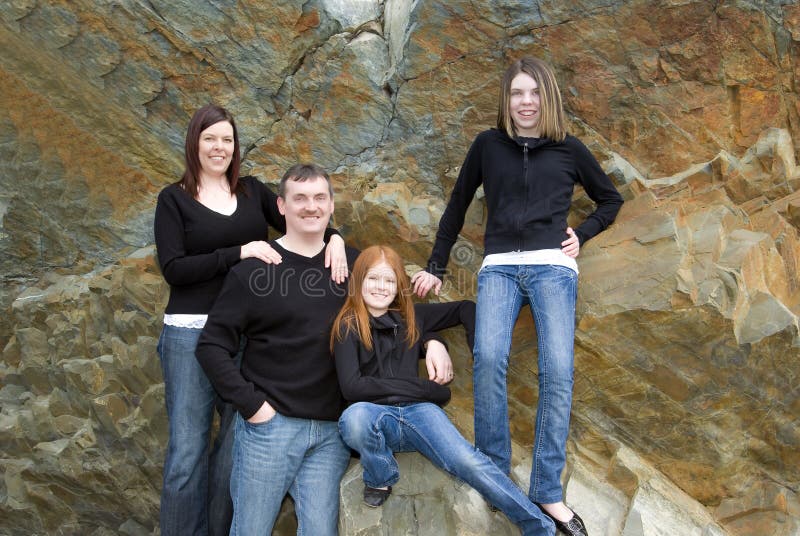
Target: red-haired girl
(376, 345)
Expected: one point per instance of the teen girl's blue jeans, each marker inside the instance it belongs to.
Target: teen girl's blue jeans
(377, 431)
(195, 497)
(550, 291)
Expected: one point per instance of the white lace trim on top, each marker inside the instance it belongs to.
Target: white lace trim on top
(186, 321)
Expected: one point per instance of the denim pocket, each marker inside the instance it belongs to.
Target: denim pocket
(262, 424)
(551, 280)
(502, 270)
(563, 270)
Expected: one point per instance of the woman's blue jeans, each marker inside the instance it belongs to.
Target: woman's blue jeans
(195, 497)
(377, 431)
(550, 291)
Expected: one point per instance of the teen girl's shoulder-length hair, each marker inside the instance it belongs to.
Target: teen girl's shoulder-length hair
(202, 119)
(552, 122)
(354, 316)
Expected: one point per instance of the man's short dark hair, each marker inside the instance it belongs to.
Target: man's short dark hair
(302, 173)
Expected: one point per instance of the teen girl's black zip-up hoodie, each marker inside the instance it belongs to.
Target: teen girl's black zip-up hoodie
(388, 374)
(528, 184)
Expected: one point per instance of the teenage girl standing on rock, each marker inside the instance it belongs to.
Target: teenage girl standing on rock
(528, 167)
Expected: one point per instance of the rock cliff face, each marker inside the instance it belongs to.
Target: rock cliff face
(688, 341)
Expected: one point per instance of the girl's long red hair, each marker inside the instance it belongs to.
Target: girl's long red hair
(354, 316)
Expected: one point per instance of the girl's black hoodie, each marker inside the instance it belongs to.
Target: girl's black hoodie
(388, 374)
(528, 184)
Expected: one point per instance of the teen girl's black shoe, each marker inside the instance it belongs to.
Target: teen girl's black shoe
(375, 497)
(573, 527)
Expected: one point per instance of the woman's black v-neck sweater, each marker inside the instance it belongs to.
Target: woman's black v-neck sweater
(197, 246)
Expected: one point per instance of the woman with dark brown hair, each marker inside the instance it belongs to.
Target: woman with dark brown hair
(204, 224)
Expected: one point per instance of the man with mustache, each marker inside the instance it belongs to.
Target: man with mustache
(286, 392)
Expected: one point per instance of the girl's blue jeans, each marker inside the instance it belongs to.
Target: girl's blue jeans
(550, 291)
(377, 432)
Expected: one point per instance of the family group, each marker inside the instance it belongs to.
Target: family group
(309, 350)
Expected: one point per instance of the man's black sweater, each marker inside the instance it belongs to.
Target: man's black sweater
(286, 312)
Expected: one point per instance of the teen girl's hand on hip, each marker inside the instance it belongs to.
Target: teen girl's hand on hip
(424, 281)
(571, 246)
(336, 259)
(260, 250)
(264, 413)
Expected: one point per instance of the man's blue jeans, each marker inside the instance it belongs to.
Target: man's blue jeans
(195, 497)
(303, 457)
(377, 431)
(550, 291)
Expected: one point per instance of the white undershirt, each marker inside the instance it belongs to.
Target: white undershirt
(537, 256)
(186, 320)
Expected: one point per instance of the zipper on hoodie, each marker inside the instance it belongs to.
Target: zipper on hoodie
(525, 198)
(394, 351)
